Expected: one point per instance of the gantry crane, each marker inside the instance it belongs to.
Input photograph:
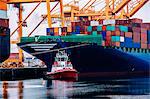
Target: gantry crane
(21, 21)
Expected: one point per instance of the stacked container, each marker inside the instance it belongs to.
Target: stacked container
(4, 33)
(144, 38)
(121, 33)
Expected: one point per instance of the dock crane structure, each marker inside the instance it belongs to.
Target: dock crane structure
(113, 9)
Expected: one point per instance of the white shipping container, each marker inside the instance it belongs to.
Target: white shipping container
(60, 32)
(121, 39)
(94, 23)
(67, 9)
(3, 14)
(107, 22)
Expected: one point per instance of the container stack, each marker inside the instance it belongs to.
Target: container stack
(4, 33)
(130, 33)
(55, 31)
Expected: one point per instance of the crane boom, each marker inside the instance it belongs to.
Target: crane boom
(26, 1)
(137, 7)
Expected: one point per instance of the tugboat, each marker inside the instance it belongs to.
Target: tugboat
(62, 68)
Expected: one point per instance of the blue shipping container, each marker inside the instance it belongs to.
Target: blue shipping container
(128, 42)
(136, 45)
(148, 36)
(122, 44)
(104, 35)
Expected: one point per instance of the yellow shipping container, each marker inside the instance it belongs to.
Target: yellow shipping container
(3, 6)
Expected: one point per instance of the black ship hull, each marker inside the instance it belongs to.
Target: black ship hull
(94, 60)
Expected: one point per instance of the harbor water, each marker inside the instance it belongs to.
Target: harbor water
(137, 88)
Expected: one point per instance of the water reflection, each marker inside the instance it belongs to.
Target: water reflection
(6, 86)
(59, 89)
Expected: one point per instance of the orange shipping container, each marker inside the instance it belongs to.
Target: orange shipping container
(3, 6)
(117, 44)
(69, 29)
(56, 29)
(117, 33)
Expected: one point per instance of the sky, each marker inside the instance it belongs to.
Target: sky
(143, 13)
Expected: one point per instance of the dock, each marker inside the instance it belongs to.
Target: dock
(21, 73)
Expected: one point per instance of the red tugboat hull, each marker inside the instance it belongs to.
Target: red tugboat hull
(63, 74)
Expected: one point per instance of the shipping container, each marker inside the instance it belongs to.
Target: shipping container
(4, 22)
(108, 22)
(89, 28)
(104, 35)
(108, 33)
(94, 23)
(128, 42)
(148, 36)
(136, 20)
(115, 38)
(121, 39)
(144, 46)
(136, 37)
(94, 33)
(128, 34)
(3, 6)
(99, 28)
(110, 28)
(136, 45)
(3, 14)
(123, 28)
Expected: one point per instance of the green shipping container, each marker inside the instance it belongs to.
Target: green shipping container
(99, 28)
(110, 28)
(94, 33)
(89, 28)
(123, 28)
(115, 38)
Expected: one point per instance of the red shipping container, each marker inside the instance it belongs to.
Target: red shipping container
(108, 38)
(143, 45)
(104, 28)
(107, 43)
(145, 25)
(128, 34)
(87, 23)
(136, 29)
(4, 23)
(143, 38)
(113, 33)
(63, 33)
(108, 33)
(136, 37)
(136, 20)
(113, 43)
(89, 33)
(94, 28)
(148, 46)
(100, 21)
(56, 33)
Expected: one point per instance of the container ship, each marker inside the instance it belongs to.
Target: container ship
(4, 33)
(105, 48)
